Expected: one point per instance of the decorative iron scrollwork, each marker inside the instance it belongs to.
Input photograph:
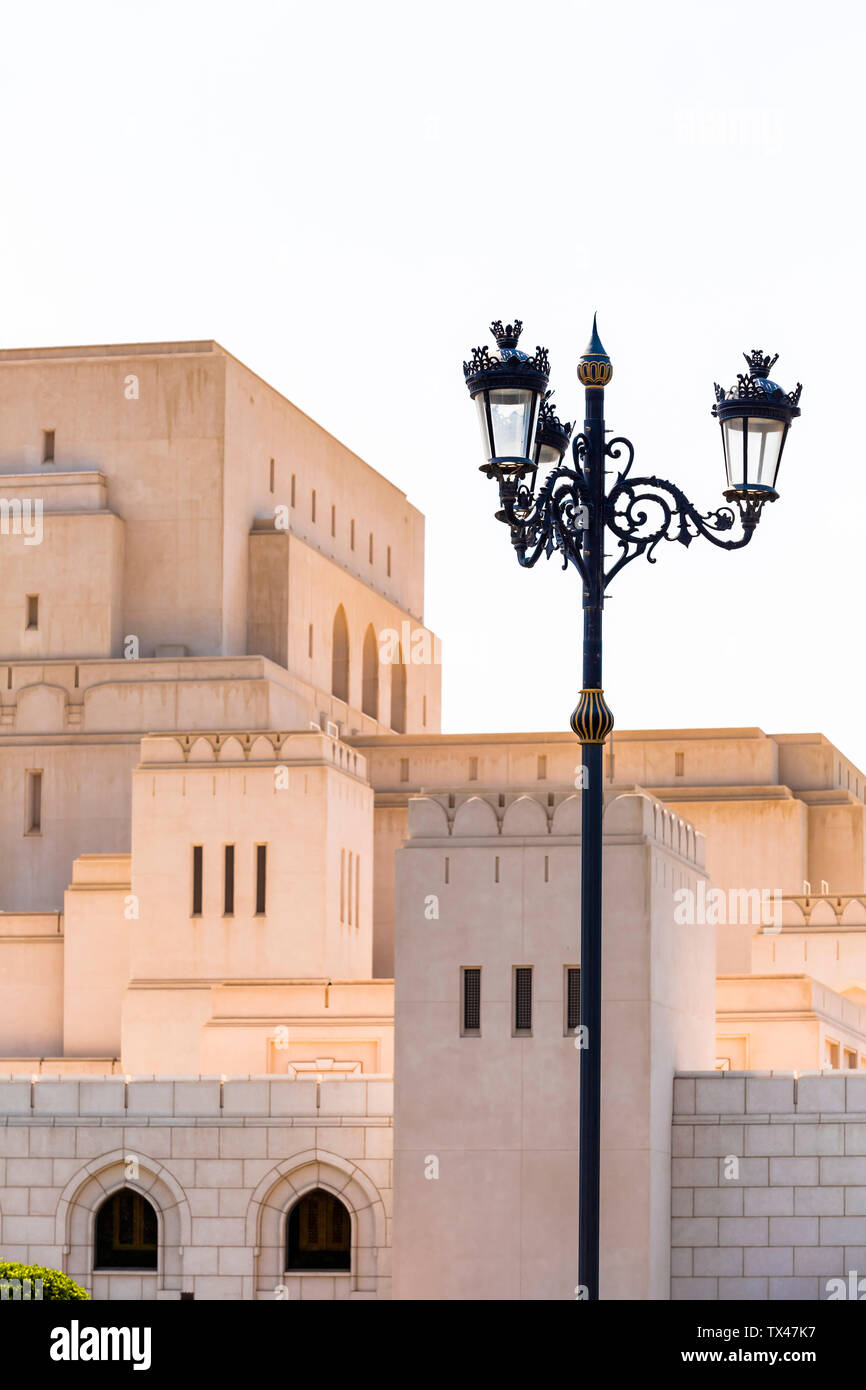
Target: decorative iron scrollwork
(630, 517)
(639, 512)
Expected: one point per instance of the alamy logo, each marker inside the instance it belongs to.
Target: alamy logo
(75, 1343)
(21, 516)
(855, 1288)
(21, 1288)
(718, 907)
(415, 646)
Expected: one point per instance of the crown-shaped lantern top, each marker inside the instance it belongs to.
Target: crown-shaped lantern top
(509, 365)
(760, 364)
(755, 385)
(508, 334)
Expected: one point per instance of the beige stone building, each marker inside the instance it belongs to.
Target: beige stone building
(229, 822)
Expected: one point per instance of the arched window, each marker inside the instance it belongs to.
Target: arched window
(340, 657)
(398, 693)
(127, 1232)
(370, 688)
(318, 1233)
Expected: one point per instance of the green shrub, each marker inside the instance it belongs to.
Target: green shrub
(54, 1283)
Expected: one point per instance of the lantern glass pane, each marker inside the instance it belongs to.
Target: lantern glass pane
(481, 407)
(513, 414)
(765, 441)
(732, 433)
(548, 457)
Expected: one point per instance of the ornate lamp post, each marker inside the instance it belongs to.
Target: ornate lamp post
(570, 514)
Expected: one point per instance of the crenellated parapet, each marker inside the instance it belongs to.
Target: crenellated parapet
(254, 747)
(483, 817)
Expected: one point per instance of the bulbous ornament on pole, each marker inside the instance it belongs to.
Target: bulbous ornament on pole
(592, 721)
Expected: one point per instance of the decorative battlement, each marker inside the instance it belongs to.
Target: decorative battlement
(525, 817)
(255, 746)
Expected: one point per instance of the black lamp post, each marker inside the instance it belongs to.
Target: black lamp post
(570, 513)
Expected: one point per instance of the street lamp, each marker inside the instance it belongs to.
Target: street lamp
(755, 416)
(570, 514)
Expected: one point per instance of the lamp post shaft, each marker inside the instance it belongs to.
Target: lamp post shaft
(591, 860)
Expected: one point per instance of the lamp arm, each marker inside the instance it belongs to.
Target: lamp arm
(638, 530)
(548, 522)
(553, 520)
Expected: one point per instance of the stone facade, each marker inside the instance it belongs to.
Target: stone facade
(226, 805)
(221, 1161)
(769, 1186)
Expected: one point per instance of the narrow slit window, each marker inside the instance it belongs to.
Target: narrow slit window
(572, 998)
(310, 641)
(313, 507)
(293, 490)
(404, 769)
(333, 521)
(271, 476)
(473, 769)
(34, 803)
(229, 882)
(47, 446)
(342, 885)
(197, 867)
(424, 713)
(388, 562)
(471, 1003)
(357, 890)
(679, 764)
(352, 534)
(261, 879)
(542, 767)
(522, 999)
(370, 549)
(32, 612)
(349, 887)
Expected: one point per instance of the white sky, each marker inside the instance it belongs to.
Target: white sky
(345, 194)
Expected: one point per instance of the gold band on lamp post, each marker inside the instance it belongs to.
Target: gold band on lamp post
(592, 374)
(592, 721)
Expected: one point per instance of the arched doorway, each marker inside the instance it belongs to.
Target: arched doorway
(318, 1233)
(126, 1232)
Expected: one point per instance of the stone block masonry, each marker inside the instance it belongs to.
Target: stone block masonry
(221, 1159)
(768, 1192)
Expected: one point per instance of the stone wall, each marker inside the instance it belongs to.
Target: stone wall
(769, 1184)
(221, 1160)
(487, 1123)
